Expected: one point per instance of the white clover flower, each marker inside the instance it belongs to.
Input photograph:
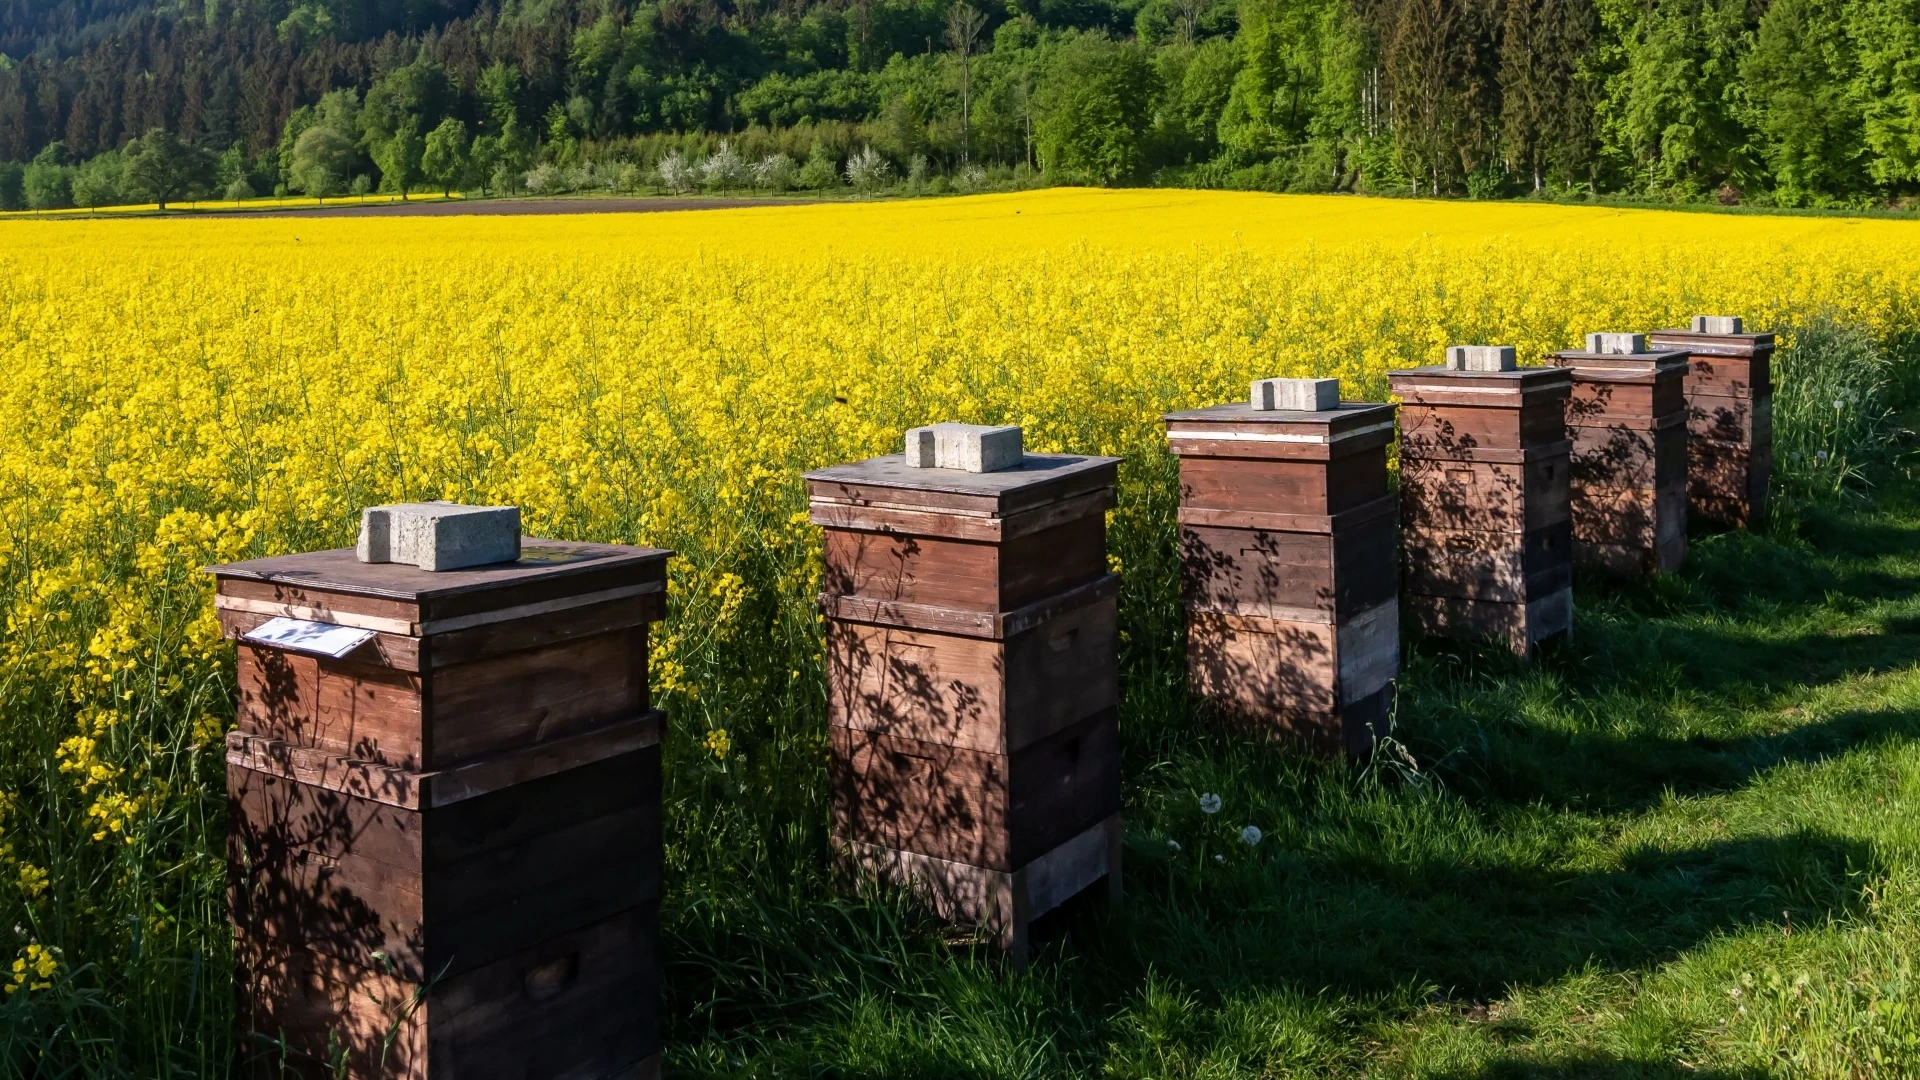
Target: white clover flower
(1209, 803)
(1173, 845)
(1250, 835)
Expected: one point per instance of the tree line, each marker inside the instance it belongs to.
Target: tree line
(1787, 102)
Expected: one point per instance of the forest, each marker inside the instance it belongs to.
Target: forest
(1764, 102)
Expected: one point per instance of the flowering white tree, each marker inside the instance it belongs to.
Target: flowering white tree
(867, 170)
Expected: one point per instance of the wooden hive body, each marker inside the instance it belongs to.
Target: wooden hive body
(1627, 420)
(1729, 390)
(1289, 569)
(973, 681)
(1486, 532)
(445, 848)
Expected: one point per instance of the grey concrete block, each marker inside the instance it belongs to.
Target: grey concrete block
(1616, 344)
(1717, 324)
(922, 448)
(1297, 395)
(979, 448)
(439, 535)
(1481, 358)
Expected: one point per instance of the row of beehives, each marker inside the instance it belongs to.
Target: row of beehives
(444, 780)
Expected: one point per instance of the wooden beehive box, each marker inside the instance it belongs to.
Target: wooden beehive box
(1627, 420)
(445, 846)
(1485, 529)
(973, 681)
(1290, 569)
(1729, 389)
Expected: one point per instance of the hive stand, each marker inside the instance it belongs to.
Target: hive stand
(973, 682)
(1485, 530)
(1729, 418)
(1290, 568)
(445, 847)
(1627, 420)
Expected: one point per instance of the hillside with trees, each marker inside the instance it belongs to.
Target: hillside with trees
(1792, 102)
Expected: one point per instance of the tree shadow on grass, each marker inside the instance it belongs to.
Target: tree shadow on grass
(1342, 915)
(1598, 1067)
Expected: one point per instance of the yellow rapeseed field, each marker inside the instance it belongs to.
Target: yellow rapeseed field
(184, 391)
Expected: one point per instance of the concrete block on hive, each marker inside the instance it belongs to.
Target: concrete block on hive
(1616, 344)
(1288, 569)
(439, 536)
(973, 681)
(1718, 324)
(1296, 395)
(1481, 358)
(975, 448)
(430, 823)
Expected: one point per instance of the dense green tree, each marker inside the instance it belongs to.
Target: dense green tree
(47, 180)
(444, 159)
(1545, 88)
(399, 157)
(322, 159)
(159, 167)
(97, 181)
(1095, 109)
(1885, 89)
(1671, 99)
(1796, 83)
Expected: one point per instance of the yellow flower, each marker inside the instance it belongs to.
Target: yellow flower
(719, 743)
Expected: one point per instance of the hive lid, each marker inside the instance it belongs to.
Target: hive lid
(1348, 416)
(1237, 429)
(1621, 365)
(541, 562)
(1437, 384)
(1728, 344)
(1040, 479)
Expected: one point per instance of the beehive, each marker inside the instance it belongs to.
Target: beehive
(445, 844)
(1290, 569)
(1729, 390)
(973, 681)
(1627, 420)
(1485, 530)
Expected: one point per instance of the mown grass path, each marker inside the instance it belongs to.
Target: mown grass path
(1684, 845)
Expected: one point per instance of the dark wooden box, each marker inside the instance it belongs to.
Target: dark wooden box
(1288, 552)
(1484, 499)
(1628, 422)
(457, 822)
(1729, 391)
(973, 681)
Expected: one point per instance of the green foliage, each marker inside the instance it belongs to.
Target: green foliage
(1833, 408)
(322, 158)
(47, 181)
(1095, 108)
(1798, 88)
(444, 159)
(821, 169)
(97, 181)
(159, 167)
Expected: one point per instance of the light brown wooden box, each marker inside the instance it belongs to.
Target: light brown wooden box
(973, 682)
(460, 819)
(1484, 498)
(1289, 569)
(1628, 422)
(1730, 418)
